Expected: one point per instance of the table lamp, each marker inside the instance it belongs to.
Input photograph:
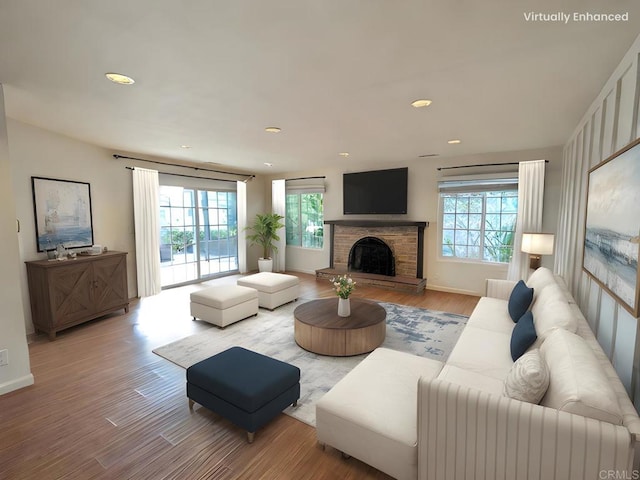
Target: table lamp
(536, 245)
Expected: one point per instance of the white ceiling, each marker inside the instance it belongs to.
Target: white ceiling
(335, 75)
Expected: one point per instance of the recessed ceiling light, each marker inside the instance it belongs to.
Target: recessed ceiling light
(120, 79)
(185, 146)
(344, 154)
(421, 103)
(268, 164)
(272, 129)
(454, 142)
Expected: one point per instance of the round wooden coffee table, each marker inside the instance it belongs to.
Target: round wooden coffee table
(319, 329)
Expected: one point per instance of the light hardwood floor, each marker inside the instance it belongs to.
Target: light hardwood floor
(105, 407)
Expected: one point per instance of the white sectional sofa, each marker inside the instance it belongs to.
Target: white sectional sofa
(413, 417)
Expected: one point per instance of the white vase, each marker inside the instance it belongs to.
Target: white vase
(344, 307)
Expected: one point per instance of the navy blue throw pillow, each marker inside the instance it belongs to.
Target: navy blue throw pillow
(522, 336)
(519, 300)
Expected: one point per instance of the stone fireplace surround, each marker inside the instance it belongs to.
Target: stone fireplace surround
(405, 238)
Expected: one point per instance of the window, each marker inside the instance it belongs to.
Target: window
(217, 232)
(478, 218)
(198, 234)
(304, 220)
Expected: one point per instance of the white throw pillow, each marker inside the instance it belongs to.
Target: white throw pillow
(528, 379)
(539, 279)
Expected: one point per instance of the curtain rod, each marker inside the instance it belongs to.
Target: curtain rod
(194, 176)
(483, 165)
(117, 157)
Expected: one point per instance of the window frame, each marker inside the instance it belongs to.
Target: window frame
(300, 234)
(469, 185)
(200, 247)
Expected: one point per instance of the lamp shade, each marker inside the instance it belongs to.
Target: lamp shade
(537, 243)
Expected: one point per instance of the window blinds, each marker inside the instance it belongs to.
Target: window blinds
(479, 183)
(305, 185)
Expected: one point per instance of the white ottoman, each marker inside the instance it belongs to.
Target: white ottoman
(274, 289)
(224, 304)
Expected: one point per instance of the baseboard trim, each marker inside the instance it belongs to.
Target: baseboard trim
(16, 384)
(310, 272)
(439, 288)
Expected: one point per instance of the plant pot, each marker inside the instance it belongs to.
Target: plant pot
(265, 265)
(344, 307)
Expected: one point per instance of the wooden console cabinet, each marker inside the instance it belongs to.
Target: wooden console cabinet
(70, 292)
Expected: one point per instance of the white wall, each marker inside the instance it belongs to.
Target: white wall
(609, 124)
(37, 152)
(17, 373)
(464, 277)
(256, 203)
(423, 201)
(298, 259)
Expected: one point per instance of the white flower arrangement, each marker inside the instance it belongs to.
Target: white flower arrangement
(343, 285)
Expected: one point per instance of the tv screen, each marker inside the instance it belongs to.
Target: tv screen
(375, 192)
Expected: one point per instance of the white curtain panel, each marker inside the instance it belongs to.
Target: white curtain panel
(146, 208)
(569, 247)
(278, 205)
(242, 225)
(530, 203)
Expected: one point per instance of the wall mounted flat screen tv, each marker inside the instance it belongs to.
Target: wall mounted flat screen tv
(375, 192)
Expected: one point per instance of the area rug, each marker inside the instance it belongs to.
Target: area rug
(419, 331)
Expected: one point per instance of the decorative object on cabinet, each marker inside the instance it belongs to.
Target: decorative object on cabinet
(64, 294)
(612, 227)
(62, 210)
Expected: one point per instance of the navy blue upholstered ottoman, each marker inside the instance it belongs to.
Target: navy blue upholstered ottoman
(245, 387)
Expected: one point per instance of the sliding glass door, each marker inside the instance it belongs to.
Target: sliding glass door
(217, 232)
(198, 234)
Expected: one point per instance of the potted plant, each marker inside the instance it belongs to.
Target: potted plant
(264, 232)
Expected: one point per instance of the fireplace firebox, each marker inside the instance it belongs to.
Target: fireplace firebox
(371, 255)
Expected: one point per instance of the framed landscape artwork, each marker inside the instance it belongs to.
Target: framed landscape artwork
(62, 211)
(612, 229)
